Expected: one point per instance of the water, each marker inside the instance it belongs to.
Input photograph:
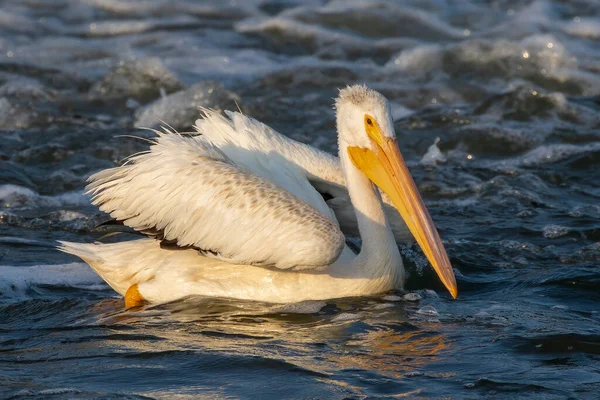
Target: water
(512, 90)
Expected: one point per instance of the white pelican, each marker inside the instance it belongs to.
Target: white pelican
(235, 212)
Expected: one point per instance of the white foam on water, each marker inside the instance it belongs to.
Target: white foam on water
(26, 88)
(225, 67)
(383, 306)
(399, 111)
(533, 57)
(303, 307)
(46, 392)
(556, 152)
(311, 26)
(15, 281)
(545, 154)
(180, 109)
(11, 195)
(137, 77)
(428, 310)
(128, 27)
(346, 317)
(560, 307)
(322, 39)
(412, 297)
(15, 196)
(588, 28)
(392, 298)
(434, 155)
(418, 60)
(121, 7)
(555, 231)
(411, 20)
(142, 7)
(66, 215)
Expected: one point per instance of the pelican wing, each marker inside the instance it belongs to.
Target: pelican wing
(194, 195)
(252, 144)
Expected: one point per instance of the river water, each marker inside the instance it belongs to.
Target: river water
(497, 111)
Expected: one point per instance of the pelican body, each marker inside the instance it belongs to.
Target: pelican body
(240, 211)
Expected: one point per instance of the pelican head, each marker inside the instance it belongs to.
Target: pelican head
(366, 132)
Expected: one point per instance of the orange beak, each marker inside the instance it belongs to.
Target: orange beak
(385, 167)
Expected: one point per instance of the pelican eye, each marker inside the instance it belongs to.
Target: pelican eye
(372, 129)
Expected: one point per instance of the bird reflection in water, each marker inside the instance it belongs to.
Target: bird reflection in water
(328, 339)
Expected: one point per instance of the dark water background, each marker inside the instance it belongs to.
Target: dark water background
(512, 90)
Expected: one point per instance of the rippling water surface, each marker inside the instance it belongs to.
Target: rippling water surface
(497, 109)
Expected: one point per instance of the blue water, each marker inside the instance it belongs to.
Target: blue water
(512, 90)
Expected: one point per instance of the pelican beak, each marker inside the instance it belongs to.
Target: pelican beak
(385, 167)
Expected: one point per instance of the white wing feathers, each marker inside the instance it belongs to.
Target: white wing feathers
(263, 150)
(190, 190)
